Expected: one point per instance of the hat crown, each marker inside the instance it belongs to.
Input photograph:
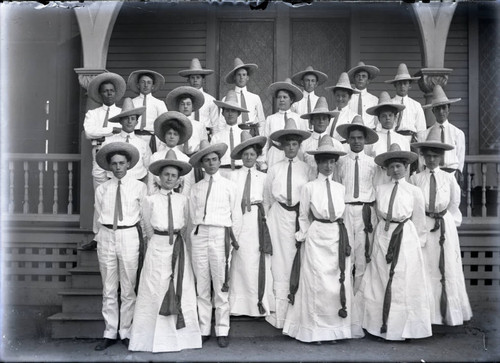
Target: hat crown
(309, 69)
(394, 147)
(357, 120)
(361, 64)
(238, 62)
(231, 97)
(438, 94)
(290, 124)
(288, 80)
(195, 65)
(321, 105)
(326, 143)
(402, 71)
(244, 136)
(434, 135)
(204, 144)
(343, 81)
(127, 105)
(170, 155)
(384, 98)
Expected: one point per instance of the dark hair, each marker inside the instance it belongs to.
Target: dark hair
(215, 152)
(390, 108)
(290, 137)
(396, 160)
(356, 128)
(106, 82)
(436, 150)
(148, 74)
(229, 108)
(318, 158)
(344, 89)
(118, 152)
(290, 94)
(257, 148)
(172, 166)
(170, 124)
(183, 97)
(310, 73)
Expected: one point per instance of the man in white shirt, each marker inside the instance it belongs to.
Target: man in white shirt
(361, 76)
(309, 79)
(145, 82)
(208, 114)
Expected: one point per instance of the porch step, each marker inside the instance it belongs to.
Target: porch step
(87, 277)
(77, 325)
(87, 258)
(81, 300)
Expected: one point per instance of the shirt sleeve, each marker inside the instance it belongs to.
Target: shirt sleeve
(304, 222)
(453, 207)
(92, 129)
(420, 124)
(418, 216)
(460, 149)
(146, 216)
(236, 215)
(268, 195)
(98, 207)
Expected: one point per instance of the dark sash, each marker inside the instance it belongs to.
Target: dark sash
(366, 213)
(229, 239)
(296, 209)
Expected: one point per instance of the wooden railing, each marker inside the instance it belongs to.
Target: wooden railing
(42, 187)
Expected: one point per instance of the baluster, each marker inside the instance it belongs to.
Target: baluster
(469, 190)
(26, 204)
(55, 206)
(40, 188)
(11, 187)
(70, 187)
(484, 170)
(498, 190)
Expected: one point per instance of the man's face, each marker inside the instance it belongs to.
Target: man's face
(309, 82)
(171, 138)
(432, 159)
(169, 177)
(342, 97)
(196, 80)
(320, 122)
(249, 157)
(441, 113)
(402, 88)
(230, 115)
(361, 80)
(128, 123)
(284, 100)
(119, 165)
(326, 167)
(396, 170)
(210, 163)
(145, 85)
(356, 140)
(291, 148)
(108, 93)
(241, 77)
(387, 119)
(186, 106)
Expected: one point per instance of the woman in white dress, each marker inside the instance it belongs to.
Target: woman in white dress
(165, 316)
(251, 291)
(393, 294)
(322, 309)
(443, 262)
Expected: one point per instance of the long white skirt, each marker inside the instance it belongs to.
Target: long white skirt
(458, 306)
(244, 273)
(152, 332)
(314, 315)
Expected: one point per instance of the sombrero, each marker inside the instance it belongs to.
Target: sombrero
(128, 109)
(326, 147)
(133, 79)
(246, 141)
(116, 79)
(384, 100)
(439, 98)
(113, 147)
(321, 108)
(371, 70)
(395, 152)
(238, 63)
(195, 68)
(357, 122)
(402, 75)
(205, 149)
(297, 77)
(433, 140)
(172, 99)
(343, 83)
(290, 129)
(231, 102)
(170, 160)
(186, 129)
(288, 86)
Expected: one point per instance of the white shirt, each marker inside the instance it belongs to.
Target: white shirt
(199, 133)
(367, 100)
(345, 174)
(223, 208)
(311, 144)
(94, 120)
(258, 180)
(154, 180)
(154, 108)
(413, 118)
(209, 112)
(300, 107)
(345, 117)
(223, 136)
(381, 145)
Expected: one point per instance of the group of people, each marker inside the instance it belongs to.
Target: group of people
(324, 222)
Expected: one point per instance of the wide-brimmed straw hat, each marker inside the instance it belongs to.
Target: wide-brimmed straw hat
(371, 70)
(395, 152)
(170, 160)
(196, 95)
(128, 109)
(113, 147)
(343, 83)
(238, 63)
(439, 98)
(133, 79)
(290, 129)
(115, 79)
(246, 141)
(185, 126)
(384, 100)
(433, 140)
(321, 108)
(326, 147)
(288, 86)
(195, 68)
(297, 77)
(205, 149)
(357, 122)
(402, 75)
(231, 102)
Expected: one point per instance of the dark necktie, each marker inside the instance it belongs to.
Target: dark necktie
(284, 118)
(360, 105)
(244, 115)
(245, 201)
(118, 215)
(334, 124)
(400, 116)
(231, 145)
(441, 162)
(388, 140)
(331, 209)
(127, 139)
(143, 118)
(308, 103)
(289, 183)
(197, 115)
(388, 218)
(356, 178)
(432, 193)
(105, 123)
(170, 220)
(208, 193)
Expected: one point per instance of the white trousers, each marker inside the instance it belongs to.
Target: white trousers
(118, 254)
(209, 262)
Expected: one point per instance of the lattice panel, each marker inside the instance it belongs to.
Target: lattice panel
(323, 45)
(252, 42)
(481, 267)
(489, 92)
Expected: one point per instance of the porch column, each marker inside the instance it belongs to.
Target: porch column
(433, 21)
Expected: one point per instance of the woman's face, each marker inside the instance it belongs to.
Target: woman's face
(284, 100)
(249, 157)
(291, 148)
(169, 176)
(326, 167)
(396, 170)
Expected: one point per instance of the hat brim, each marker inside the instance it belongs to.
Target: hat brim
(411, 79)
(158, 165)
(371, 70)
(182, 120)
(407, 155)
(297, 77)
(230, 106)
(191, 72)
(219, 148)
(277, 86)
(326, 152)
(276, 135)
(197, 96)
(432, 144)
(441, 103)
(371, 136)
(133, 79)
(373, 110)
(113, 147)
(309, 115)
(238, 149)
(135, 111)
(250, 67)
(349, 89)
(115, 79)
